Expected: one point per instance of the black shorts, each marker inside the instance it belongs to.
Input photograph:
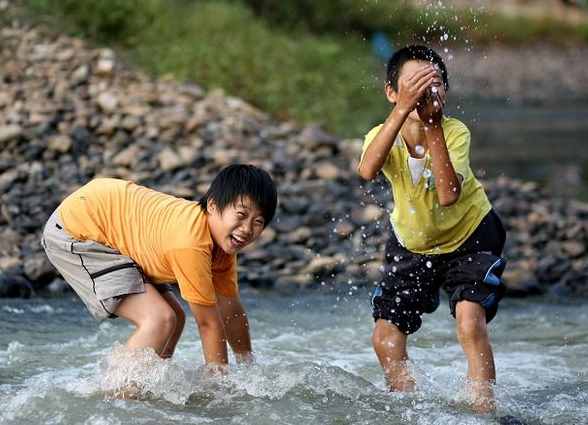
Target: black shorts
(411, 282)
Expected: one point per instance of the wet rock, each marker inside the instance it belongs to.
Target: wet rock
(128, 156)
(286, 224)
(520, 283)
(9, 262)
(14, 285)
(322, 265)
(344, 229)
(572, 283)
(61, 144)
(8, 178)
(38, 268)
(299, 235)
(368, 214)
(108, 102)
(574, 248)
(9, 132)
(327, 171)
(77, 113)
(58, 286)
(169, 160)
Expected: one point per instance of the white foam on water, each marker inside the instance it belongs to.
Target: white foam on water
(12, 310)
(102, 420)
(142, 373)
(44, 309)
(47, 389)
(11, 353)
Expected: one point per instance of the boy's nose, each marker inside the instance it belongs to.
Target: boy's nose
(247, 229)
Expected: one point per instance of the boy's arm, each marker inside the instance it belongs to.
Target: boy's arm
(376, 153)
(446, 180)
(236, 326)
(212, 333)
(410, 90)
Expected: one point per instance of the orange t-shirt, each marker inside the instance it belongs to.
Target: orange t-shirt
(167, 237)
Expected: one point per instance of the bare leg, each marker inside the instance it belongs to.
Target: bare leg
(390, 346)
(154, 318)
(170, 345)
(473, 337)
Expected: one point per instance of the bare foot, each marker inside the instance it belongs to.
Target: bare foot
(482, 393)
(399, 378)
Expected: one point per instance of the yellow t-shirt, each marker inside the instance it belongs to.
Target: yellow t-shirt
(420, 223)
(167, 237)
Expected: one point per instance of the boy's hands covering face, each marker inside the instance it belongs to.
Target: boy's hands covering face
(430, 106)
(411, 88)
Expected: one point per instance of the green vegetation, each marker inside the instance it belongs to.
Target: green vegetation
(301, 59)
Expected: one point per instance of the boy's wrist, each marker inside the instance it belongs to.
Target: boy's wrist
(433, 134)
(399, 112)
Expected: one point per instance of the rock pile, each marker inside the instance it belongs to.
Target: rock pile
(69, 113)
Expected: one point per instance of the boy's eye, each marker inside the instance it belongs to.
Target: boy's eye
(241, 214)
(259, 222)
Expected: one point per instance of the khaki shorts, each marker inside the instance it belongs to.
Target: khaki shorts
(101, 276)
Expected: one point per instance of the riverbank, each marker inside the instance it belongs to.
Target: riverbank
(281, 56)
(69, 113)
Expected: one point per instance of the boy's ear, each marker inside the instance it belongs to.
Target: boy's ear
(391, 94)
(211, 206)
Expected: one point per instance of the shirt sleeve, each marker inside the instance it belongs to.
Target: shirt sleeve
(193, 271)
(224, 276)
(368, 139)
(458, 145)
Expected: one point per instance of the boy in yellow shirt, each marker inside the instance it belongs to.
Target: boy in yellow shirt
(446, 234)
(119, 245)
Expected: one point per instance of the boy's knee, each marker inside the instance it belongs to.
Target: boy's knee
(471, 330)
(164, 320)
(387, 335)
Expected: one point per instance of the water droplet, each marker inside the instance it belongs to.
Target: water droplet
(397, 299)
(420, 149)
(429, 264)
(427, 173)
(396, 258)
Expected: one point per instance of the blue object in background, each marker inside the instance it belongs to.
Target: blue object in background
(382, 46)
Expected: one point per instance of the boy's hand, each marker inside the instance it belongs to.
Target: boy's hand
(412, 88)
(430, 108)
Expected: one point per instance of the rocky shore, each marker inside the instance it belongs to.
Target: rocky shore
(69, 113)
(535, 74)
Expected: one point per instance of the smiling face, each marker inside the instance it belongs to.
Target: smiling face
(235, 227)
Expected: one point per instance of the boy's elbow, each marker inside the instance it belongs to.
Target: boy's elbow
(450, 199)
(366, 174)
(447, 202)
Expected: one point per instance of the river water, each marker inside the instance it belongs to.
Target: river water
(545, 143)
(315, 365)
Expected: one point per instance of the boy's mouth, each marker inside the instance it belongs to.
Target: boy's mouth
(238, 241)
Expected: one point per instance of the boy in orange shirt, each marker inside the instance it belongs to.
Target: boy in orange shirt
(119, 245)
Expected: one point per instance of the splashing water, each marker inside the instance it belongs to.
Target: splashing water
(315, 365)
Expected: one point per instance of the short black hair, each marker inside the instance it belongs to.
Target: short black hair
(414, 52)
(238, 180)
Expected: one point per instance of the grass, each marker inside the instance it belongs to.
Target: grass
(298, 59)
